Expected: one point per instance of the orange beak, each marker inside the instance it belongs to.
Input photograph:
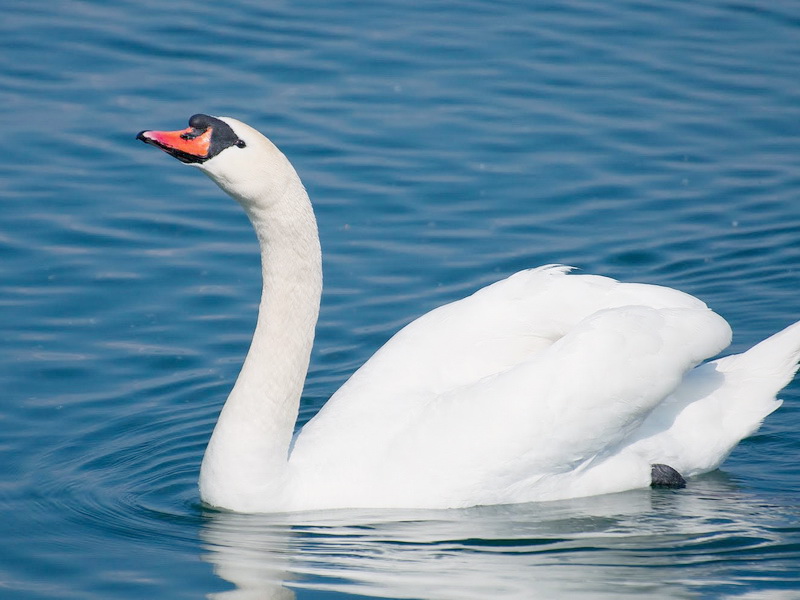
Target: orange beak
(185, 145)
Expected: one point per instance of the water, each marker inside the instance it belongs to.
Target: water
(445, 145)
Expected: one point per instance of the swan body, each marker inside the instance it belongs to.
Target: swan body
(545, 385)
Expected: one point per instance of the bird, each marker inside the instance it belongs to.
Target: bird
(545, 385)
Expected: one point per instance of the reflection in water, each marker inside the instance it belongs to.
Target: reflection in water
(592, 547)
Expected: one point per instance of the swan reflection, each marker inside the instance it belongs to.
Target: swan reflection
(593, 547)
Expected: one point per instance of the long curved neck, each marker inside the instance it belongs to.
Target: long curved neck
(247, 455)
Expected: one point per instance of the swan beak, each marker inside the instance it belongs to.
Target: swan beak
(187, 145)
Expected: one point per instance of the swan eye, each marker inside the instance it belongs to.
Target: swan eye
(240, 144)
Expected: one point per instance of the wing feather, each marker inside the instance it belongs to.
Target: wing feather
(534, 374)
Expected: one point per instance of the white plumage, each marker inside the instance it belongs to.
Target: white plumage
(545, 385)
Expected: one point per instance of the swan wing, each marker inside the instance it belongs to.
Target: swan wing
(529, 377)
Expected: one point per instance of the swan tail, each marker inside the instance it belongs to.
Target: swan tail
(756, 377)
(718, 404)
(774, 360)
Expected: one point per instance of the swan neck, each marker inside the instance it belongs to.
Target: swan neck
(248, 452)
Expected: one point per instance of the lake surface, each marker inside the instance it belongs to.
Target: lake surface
(445, 145)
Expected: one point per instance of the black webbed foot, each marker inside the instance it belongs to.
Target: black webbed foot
(664, 476)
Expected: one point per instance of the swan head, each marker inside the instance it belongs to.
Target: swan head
(205, 138)
(239, 159)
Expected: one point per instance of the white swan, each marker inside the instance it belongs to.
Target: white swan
(541, 386)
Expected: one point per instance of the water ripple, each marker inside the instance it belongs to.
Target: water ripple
(445, 146)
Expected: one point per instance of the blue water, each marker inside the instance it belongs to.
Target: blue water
(445, 145)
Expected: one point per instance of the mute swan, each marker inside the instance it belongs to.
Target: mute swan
(542, 386)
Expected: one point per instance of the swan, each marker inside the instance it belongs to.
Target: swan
(546, 385)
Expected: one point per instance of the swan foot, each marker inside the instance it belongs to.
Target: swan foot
(664, 476)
